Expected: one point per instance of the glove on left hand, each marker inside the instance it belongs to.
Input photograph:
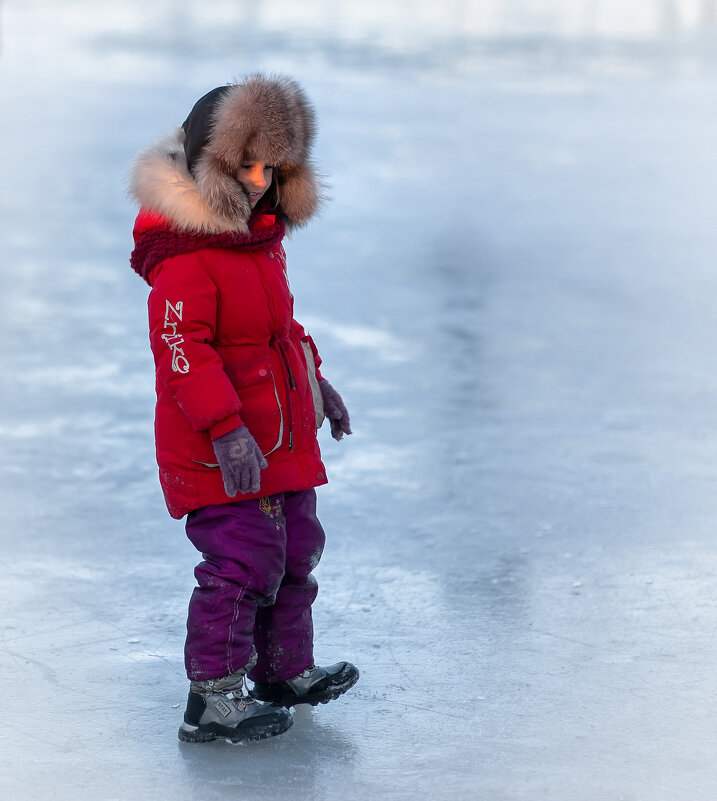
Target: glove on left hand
(240, 461)
(335, 410)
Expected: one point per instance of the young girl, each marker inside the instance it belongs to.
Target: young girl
(239, 399)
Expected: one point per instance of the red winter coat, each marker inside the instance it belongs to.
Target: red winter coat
(229, 353)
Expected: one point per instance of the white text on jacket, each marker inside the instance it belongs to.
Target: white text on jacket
(175, 340)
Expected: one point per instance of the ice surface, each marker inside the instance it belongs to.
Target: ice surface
(514, 290)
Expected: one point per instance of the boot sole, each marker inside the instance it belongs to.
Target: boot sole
(205, 734)
(314, 699)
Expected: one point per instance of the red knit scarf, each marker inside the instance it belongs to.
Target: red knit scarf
(161, 243)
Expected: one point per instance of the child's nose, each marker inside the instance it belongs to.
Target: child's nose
(257, 177)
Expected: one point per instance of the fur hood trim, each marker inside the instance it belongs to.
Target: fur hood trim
(160, 181)
(260, 118)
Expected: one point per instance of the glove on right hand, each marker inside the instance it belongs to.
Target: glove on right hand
(240, 461)
(335, 410)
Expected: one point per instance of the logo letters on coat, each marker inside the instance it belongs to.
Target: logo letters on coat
(175, 340)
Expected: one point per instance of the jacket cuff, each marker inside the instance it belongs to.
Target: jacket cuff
(225, 426)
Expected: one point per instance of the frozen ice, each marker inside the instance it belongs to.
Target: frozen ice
(513, 287)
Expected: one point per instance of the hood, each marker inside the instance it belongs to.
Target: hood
(257, 119)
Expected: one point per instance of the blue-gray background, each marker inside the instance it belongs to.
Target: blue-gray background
(514, 289)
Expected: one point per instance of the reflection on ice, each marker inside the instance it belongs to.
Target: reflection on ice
(92, 378)
(419, 35)
(363, 465)
(224, 770)
(386, 22)
(384, 345)
(518, 272)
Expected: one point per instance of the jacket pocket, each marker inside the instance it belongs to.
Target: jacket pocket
(248, 372)
(261, 409)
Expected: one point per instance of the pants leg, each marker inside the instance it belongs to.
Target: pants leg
(283, 632)
(244, 552)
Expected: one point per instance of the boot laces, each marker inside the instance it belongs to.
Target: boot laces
(233, 688)
(240, 700)
(237, 694)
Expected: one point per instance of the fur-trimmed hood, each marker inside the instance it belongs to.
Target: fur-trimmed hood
(257, 119)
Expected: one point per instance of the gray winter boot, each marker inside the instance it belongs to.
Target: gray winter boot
(312, 686)
(220, 708)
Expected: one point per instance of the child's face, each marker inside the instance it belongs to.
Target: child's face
(255, 177)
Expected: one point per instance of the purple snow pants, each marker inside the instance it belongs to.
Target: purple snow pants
(255, 587)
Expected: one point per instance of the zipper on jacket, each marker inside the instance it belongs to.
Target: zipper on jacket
(278, 342)
(281, 418)
(292, 388)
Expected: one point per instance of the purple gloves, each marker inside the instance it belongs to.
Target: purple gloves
(240, 461)
(335, 410)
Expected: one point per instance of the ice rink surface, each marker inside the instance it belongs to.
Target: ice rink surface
(513, 287)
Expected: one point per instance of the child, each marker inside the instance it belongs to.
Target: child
(239, 399)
